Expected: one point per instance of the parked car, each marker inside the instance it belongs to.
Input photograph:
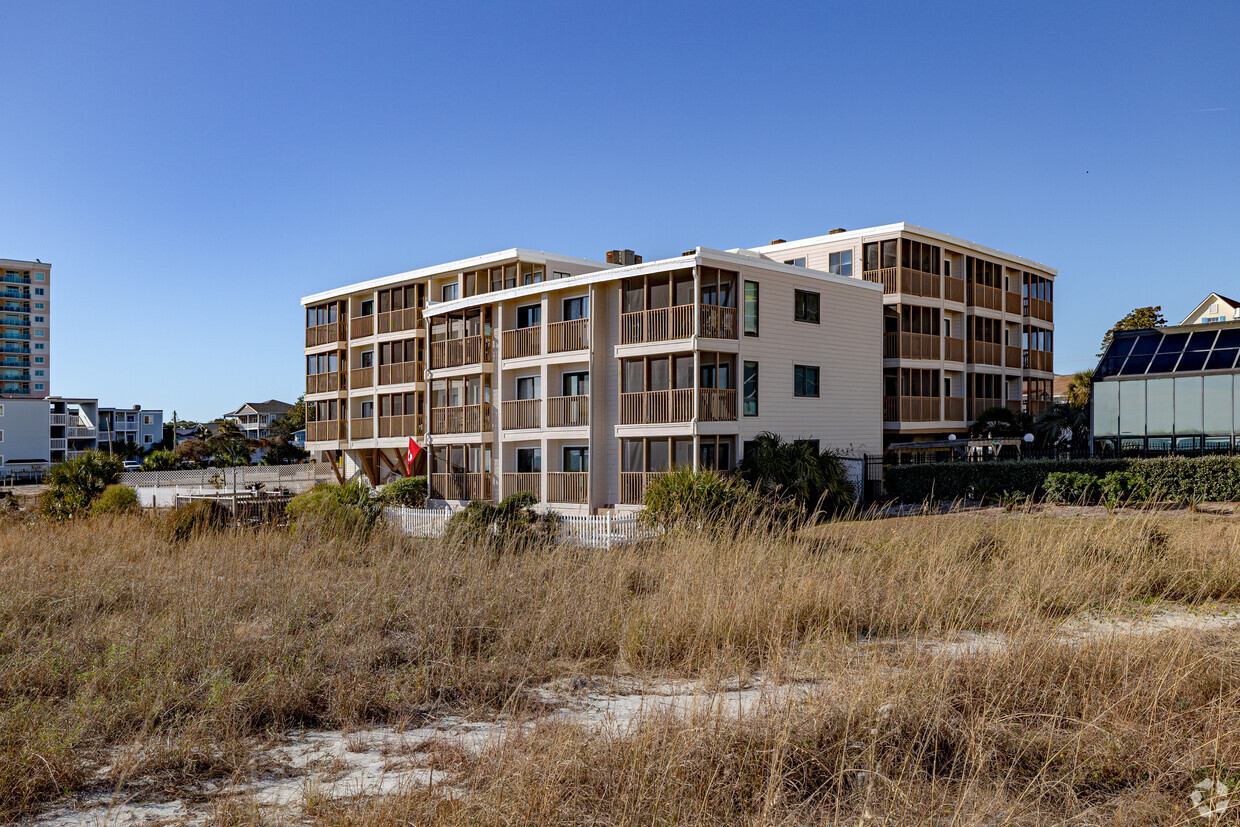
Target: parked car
(132, 465)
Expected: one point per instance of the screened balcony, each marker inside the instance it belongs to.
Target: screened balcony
(661, 306)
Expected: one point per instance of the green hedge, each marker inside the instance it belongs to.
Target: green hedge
(1178, 479)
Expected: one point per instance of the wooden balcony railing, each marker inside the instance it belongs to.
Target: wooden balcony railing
(717, 404)
(568, 411)
(717, 322)
(520, 413)
(362, 428)
(401, 426)
(329, 431)
(977, 404)
(1038, 309)
(904, 280)
(984, 353)
(461, 486)
(325, 334)
(1011, 356)
(1011, 303)
(568, 486)
(361, 326)
(1037, 407)
(362, 377)
(394, 321)
(463, 419)
(1039, 360)
(657, 325)
(453, 353)
(400, 373)
(525, 341)
(911, 346)
(633, 485)
(523, 483)
(573, 334)
(988, 297)
(911, 408)
(953, 289)
(953, 408)
(324, 382)
(953, 349)
(656, 407)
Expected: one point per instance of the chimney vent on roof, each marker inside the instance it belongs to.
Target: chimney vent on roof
(623, 257)
(779, 241)
(836, 230)
(693, 252)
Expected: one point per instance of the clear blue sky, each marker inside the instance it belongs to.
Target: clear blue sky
(192, 170)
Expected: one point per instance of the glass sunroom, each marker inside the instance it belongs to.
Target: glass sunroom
(1171, 390)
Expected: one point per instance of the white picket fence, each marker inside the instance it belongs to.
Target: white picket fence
(605, 531)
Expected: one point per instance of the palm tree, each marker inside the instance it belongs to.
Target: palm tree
(815, 479)
(1079, 389)
(1063, 425)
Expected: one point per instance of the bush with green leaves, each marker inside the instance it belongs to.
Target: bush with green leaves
(75, 484)
(684, 495)
(206, 516)
(1072, 487)
(409, 492)
(159, 460)
(349, 509)
(511, 525)
(797, 471)
(1122, 488)
(116, 499)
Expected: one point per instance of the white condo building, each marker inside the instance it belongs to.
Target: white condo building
(25, 328)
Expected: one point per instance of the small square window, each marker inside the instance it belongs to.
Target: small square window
(38, 346)
(840, 263)
(38, 320)
(40, 276)
(805, 307)
(38, 360)
(38, 291)
(38, 305)
(38, 387)
(805, 380)
(40, 333)
(148, 420)
(38, 373)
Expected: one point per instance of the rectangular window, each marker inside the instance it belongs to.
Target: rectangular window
(148, 420)
(38, 387)
(448, 292)
(750, 407)
(576, 384)
(38, 291)
(805, 307)
(529, 460)
(368, 307)
(796, 262)
(148, 439)
(577, 459)
(840, 263)
(578, 308)
(38, 305)
(38, 360)
(40, 333)
(529, 316)
(38, 346)
(38, 373)
(559, 275)
(751, 308)
(38, 320)
(805, 380)
(527, 387)
(40, 276)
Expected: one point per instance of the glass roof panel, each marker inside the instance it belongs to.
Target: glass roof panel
(1109, 367)
(1230, 337)
(1191, 360)
(1146, 345)
(1173, 342)
(1135, 365)
(1121, 347)
(1164, 362)
(1202, 340)
(1222, 359)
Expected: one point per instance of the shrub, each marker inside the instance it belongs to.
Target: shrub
(1071, 487)
(683, 494)
(116, 499)
(406, 491)
(815, 480)
(73, 485)
(199, 517)
(513, 524)
(1120, 487)
(339, 509)
(159, 460)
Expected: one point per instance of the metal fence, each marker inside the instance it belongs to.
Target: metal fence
(248, 508)
(605, 531)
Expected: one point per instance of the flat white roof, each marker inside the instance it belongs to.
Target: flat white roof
(535, 256)
(887, 229)
(701, 254)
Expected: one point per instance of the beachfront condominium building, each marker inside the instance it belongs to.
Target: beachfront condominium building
(25, 332)
(578, 380)
(965, 327)
(141, 426)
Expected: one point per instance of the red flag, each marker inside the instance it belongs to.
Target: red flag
(411, 456)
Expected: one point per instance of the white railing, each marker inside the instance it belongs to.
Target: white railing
(601, 531)
(271, 476)
(59, 444)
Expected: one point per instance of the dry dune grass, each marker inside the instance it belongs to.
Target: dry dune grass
(112, 635)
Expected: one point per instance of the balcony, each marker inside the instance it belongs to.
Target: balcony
(568, 411)
(717, 405)
(656, 407)
(462, 419)
(15, 375)
(15, 279)
(953, 408)
(461, 486)
(15, 336)
(80, 432)
(911, 346)
(15, 390)
(59, 444)
(658, 325)
(1011, 356)
(990, 298)
(15, 349)
(525, 341)
(911, 408)
(14, 321)
(978, 404)
(517, 414)
(1011, 303)
(361, 378)
(953, 349)
(331, 431)
(633, 485)
(984, 353)
(523, 483)
(570, 335)
(12, 293)
(394, 321)
(953, 289)
(1038, 309)
(325, 334)
(1039, 360)
(59, 419)
(324, 382)
(400, 373)
(715, 322)
(401, 426)
(14, 307)
(455, 353)
(360, 326)
(568, 486)
(904, 280)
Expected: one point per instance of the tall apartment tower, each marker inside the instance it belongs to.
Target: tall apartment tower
(25, 329)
